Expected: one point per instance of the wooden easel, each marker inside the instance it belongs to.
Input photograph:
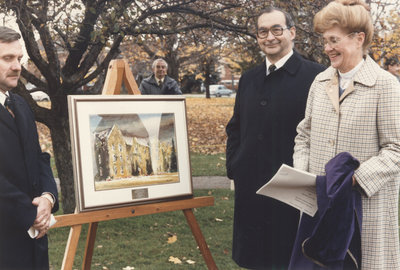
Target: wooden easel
(119, 71)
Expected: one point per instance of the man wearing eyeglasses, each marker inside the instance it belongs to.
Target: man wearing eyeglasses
(269, 104)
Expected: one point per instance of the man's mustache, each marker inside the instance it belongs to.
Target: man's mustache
(13, 74)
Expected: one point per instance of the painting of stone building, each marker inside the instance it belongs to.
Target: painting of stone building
(139, 157)
(112, 152)
(134, 150)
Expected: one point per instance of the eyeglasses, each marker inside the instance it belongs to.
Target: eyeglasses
(333, 41)
(275, 30)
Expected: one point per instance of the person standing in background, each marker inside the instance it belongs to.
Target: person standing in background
(269, 104)
(393, 66)
(159, 83)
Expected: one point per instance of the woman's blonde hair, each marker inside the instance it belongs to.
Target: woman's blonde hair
(352, 15)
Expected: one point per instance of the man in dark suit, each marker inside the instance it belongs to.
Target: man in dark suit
(159, 83)
(28, 192)
(270, 102)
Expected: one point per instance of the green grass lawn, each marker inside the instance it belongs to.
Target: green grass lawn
(208, 165)
(142, 242)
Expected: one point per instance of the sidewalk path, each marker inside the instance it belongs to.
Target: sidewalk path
(211, 182)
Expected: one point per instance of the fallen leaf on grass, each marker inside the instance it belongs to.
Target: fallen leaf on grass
(172, 239)
(175, 260)
(128, 268)
(190, 262)
(218, 219)
(207, 119)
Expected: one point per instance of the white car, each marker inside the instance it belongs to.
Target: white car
(220, 90)
(40, 96)
(37, 95)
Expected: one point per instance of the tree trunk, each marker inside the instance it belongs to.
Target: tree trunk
(173, 70)
(60, 137)
(173, 65)
(207, 73)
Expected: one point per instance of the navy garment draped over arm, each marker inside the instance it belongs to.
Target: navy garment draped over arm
(332, 238)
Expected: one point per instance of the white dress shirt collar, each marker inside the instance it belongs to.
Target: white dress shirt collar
(280, 62)
(3, 97)
(158, 80)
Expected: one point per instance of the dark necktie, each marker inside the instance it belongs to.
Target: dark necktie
(271, 68)
(9, 104)
(160, 83)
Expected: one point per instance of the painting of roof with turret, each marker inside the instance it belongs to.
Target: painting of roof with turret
(133, 150)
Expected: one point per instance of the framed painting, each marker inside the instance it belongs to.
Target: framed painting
(129, 150)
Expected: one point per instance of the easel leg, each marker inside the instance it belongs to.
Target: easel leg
(201, 242)
(71, 247)
(91, 238)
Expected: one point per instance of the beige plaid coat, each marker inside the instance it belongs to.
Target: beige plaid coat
(365, 122)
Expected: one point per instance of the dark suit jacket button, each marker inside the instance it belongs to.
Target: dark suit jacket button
(263, 102)
(260, 137)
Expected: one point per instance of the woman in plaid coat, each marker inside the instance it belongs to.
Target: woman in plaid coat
(354, 106)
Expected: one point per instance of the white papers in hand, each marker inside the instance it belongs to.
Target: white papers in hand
(33, 232)
(293, 187)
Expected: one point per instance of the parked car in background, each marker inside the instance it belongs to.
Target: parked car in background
(40, 96)
(220, 90)
(37, 95)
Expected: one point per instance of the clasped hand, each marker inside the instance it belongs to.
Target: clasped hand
(42, 221)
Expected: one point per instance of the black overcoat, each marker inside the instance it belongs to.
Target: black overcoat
(260, 138)
(25, 173)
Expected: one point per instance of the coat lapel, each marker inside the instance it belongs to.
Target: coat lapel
(347, 92)
(333, 91)
(23, 129)
(20, 122)
(7, 119)
(365, 76)
(368, 73)
(293, 64)
(260, 79)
